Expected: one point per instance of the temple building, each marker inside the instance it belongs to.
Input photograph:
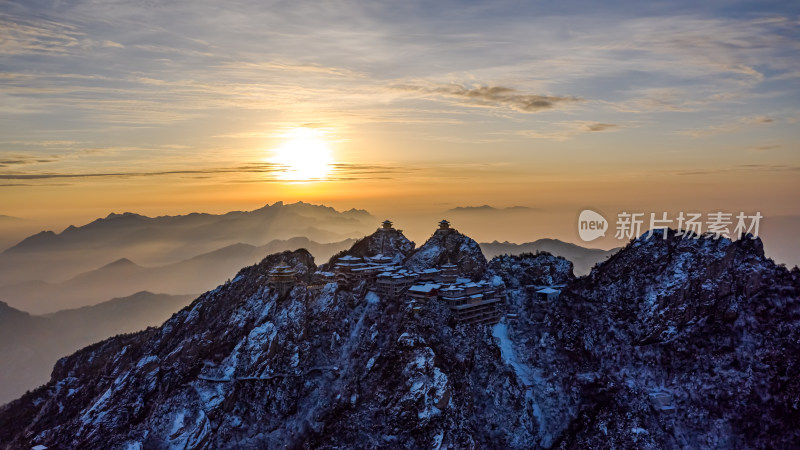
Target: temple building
(380, 260)
(386, 225)
(347, 270)
(282, 278)
(394, 282)
(444, 225)
(431, 274)
(547, 293)
(473, 302)
(324, 277)
(423, 293)
(448, 273)
(351, 270)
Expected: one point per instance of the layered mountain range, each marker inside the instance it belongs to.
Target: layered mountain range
(671, 342)
(158, 241)
(124, 277)
(30, 345)
(36, 295)
(122, 254)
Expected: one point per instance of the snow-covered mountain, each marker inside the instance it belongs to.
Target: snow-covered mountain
(386, 241)
(447, 245)
(582, 258)
(670, 343)
(30, 345)
(527, 269)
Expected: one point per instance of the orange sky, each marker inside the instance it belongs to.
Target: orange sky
(404, 110)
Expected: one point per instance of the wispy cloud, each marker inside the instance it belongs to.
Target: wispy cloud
(776, 168)
(740, 124)
(26, 35)
(597, 126)
(292, 68)
(339, 172)
(23, 161)
(562, 131)
(490, 96)
(765, 147)
(40, 143)
(491, 209)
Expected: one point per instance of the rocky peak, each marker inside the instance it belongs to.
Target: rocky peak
(668, 281)
(676, 335)
(41, 239)
(518, 271)
(386, 241)
(447, 245)
(125, 215)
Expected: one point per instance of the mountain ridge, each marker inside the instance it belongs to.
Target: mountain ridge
(385, 241)
(244, 365)
(583, 258)
(156, 241)
(31, 344)
(124, 277)
(447, 245)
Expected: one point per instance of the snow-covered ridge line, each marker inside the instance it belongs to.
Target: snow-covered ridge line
(667, 344)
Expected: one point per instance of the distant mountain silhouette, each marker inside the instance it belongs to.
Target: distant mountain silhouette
(582, 258)
(156, 241)
(487, 208)
(31, 345)
(124, 277)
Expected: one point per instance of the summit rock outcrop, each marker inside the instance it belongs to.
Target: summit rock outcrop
(447, 245)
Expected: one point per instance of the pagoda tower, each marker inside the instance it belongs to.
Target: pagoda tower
(282, 279)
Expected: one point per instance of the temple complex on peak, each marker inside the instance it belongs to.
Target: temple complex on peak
(471, 301)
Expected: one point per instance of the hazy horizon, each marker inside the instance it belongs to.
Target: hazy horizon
(515, 224)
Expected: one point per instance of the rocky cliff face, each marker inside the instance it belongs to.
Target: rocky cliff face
(518, 271)
(325, 368)
(710, 327)
(241, 367)
(665, 285)
(449, 246)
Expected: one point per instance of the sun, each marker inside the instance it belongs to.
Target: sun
(305, 156)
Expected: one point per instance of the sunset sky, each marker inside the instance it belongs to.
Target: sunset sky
(406, 109)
